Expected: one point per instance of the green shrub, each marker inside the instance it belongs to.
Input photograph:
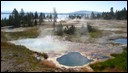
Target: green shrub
(93, 32)
(119, 63)
(59, 29)
(70, 30)
(45, 55)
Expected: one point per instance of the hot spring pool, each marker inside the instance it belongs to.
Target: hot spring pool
(45, 44)
(121, 41)
(73, 59)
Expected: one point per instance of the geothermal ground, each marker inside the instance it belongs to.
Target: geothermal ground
(97, 49)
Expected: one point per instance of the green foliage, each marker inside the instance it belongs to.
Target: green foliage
(22, 19)
(118, 15)
(50, 16)
(90, 29)
(119, 63)
(93, 32)
(30, 33)
(92, 15)
(10, 46)
(41, 18)
(16, 18)
(3, 36)
(70, 30)
(35, 23)
(36, 15)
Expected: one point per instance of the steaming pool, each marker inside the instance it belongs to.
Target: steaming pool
(50, 44)
(45, 44)
(65, 53)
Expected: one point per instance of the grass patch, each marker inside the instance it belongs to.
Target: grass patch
(29, 33)
(22, 57)
(95, 34)
(119, 63)
(3, 36)
(14, 49)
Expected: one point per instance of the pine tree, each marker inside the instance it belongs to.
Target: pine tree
(22, 17)
(92, 15)
(41, 18)
(22, 13)
(11, 20)
(50, 17)
(35, 23)
(111, 13)
(16, 18)
(36, 15)
(98, 16)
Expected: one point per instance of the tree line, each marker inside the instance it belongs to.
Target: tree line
(22, 19)
(118, 15)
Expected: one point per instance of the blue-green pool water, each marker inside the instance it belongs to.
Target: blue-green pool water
(121, 41)
(73, 59)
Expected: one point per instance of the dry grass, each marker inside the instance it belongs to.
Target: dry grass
(48, 63)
